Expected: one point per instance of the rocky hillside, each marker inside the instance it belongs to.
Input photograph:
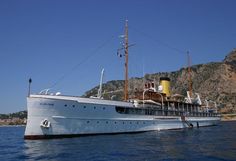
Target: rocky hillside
(215, 81)
(17, 118)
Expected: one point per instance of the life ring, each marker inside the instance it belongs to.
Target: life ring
(45, 123)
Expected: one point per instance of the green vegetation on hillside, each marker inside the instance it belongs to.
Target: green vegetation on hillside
(20, 115)
(17, 118)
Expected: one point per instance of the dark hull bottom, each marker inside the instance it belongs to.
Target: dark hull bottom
(40, 137)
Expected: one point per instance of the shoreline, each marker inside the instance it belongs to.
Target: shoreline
(11, 125)
(228, 117)
(227, 120)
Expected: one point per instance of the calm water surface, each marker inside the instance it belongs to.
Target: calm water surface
(209, 143)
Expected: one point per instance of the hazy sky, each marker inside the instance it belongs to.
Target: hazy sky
(48, 40)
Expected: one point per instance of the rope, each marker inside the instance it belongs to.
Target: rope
(94, 52)
(159, 41)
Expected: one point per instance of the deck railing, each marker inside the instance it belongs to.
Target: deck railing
(164, 112)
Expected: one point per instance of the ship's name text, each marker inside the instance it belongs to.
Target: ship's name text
(46, 104)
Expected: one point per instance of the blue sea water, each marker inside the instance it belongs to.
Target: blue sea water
(208, 144)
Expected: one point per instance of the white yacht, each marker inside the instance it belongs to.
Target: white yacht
(55, 115)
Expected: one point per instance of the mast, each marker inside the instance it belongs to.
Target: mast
(189, 75)
(126, 95)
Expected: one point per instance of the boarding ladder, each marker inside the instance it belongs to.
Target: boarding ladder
(189, 124)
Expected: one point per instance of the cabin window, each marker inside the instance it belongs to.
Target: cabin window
(94, 107)
(84, 106)
(73, 106)
(65, 105)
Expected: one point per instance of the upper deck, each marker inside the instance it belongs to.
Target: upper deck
(83, 100)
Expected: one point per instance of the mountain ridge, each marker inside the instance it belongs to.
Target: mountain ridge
(213, 80)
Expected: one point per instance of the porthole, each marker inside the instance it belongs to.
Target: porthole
(115, 122)
(94, 107)
(84, 106)
(106, 122)
(97, 122)
(73, 105)
(143, 122)
(65, 105)
(130, 122)
(87, 122)
(123, 122)
(104, 108)
(137, 122)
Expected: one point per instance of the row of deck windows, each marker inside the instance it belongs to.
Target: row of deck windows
(107, 122)
(157, 112)
(160, 112)
(85, 106)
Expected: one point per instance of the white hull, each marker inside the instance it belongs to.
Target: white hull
(69, 116)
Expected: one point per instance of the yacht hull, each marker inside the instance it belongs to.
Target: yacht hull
(73, 116)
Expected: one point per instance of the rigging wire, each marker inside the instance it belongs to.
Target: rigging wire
(94, 52)
(158, 41)
(180, 51)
